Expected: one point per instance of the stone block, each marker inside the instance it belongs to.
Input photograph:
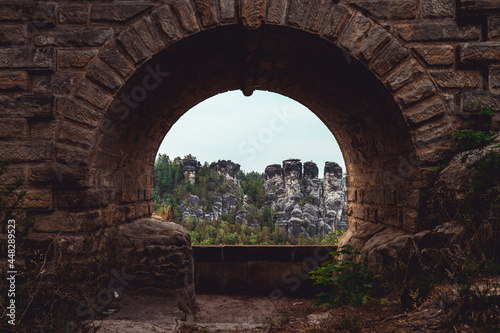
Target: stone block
(13, 129)
(150, 35)
(12, 174)
(75, 58)
(141, 210)
(389, 57)
(432, 133)
(437, 31)
(373, 42)
(208, 12)
(41, 13)
(27, 106)
(426, 110)
(25, 151)
(494, 77)
(57, 174)
(73, 14)
(336, 21)
(92, 94)
(14, 81)
(13, 35)
(84, 37)
(276, 11)
(409, 71)
(186, 15)
(415, 92)
(479, 53)
(296, 11)
(58, 83)
(39, 199)
(130, 212)
(43, 130)
(453, 79)
(28, 57)
(477, 7)
(483, 99)
(71, 155)
(319, 10)
(134, 46)
(168, 24)
(228, 11)
(252, 13)
(436, 55)
(389, 9)
(114, 57)
(410, 220)
(104, 76)
(118, 13)
(494, 28)
(69, 133)
(355, 30)
(438, 9)
(82, 114)
(351, 195)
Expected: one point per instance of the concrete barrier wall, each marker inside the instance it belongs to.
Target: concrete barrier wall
(272, 270)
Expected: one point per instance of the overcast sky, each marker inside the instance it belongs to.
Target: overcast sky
(254, 132)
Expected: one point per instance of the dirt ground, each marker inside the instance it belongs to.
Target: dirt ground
(149, 311)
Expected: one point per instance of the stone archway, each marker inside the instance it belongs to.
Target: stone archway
(91, 88)
(360, 80)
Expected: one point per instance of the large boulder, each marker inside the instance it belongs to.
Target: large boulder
(161, 256)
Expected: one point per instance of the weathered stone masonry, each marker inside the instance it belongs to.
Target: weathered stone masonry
(88, 90)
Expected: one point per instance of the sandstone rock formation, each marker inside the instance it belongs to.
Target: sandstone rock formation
(304, 203)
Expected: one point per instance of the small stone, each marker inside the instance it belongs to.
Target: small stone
(13, 129)
(457, 79)
(149, 34)
(494, 28)
(335, 22)
(75, 58)
(28, 106)
(436, 55)
(26, 151)
(438, 8)
(415, 92)
(59, 83)
(133, 45)
(389, 9)
(228, 12)
(88, 36)
(40, 13)
(424, 111)
(13, 35)
(117, 13)
(69, 133)
(479, 53)
(437, 31)
(376, 38)
(208, 12)
(252, 13)
(356, 29)
(103, 75)
(14, 81)
(389, 57)
(168, 23)
(495, 77)
(407, 72)
(73, 14)
(276, 11)
(27, 57)
(116, 59)
(82, 114)
(93, 94)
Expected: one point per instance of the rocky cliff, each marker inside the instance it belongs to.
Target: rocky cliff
(305, 204)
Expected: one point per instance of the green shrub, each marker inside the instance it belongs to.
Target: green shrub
(345, 280)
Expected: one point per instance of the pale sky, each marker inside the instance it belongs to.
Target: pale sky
(256, 131)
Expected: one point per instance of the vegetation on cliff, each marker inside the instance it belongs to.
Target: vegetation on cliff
(172, 190)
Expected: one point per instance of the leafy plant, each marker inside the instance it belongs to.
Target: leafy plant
(346, 281)
(477, 132)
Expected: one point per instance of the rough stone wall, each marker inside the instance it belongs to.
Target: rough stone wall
(80, 109)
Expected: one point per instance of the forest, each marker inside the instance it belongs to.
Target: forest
(172, 189)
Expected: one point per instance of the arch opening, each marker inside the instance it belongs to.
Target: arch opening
(354, 105)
